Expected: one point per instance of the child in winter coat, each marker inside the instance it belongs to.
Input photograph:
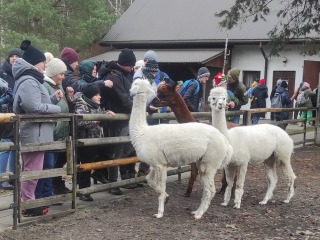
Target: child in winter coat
(88, 102)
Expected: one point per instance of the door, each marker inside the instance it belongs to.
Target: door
(311, 71)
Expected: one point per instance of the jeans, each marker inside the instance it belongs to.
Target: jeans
(255, 119)
(44, 185)
(236, 119)
(120, 150)
(5, 157)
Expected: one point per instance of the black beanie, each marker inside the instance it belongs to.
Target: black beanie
(31, 54)
(284, 84)
(90, 90)
(127, 57)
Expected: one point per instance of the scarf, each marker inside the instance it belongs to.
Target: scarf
(33, 73)
(89, 102)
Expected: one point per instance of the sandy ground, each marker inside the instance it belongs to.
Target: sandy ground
(131, 216)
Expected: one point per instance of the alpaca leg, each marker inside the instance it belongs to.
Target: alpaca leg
(240, 184)
(192, 179)
(224, 183)
(209, 190)
(150, 178)
(270, 166)
(230, 171)
(288, 171)
(160, 187)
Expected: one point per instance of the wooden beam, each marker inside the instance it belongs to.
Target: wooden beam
(106, 163)
(56, 172)
(6, 117)
(33, 147)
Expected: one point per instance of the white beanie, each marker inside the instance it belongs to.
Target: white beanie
(139, 64)
(55, 66)
(48, 56)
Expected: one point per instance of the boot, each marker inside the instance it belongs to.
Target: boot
(129, 186)
(86, 197)
(134, 185)
(98, 176)
(115, 191)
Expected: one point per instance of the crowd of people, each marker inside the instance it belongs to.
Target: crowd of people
(33, 82)
(257, 96)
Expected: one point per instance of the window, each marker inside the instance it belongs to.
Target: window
(249, 77)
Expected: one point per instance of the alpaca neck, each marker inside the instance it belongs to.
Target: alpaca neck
(219, 121)
(138, 114)
(180, 109)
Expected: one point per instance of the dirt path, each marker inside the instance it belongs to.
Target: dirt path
(131, 217)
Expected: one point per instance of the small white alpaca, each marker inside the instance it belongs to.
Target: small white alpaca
(252, 144)
(172, 145)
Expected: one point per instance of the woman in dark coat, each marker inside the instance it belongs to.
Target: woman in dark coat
(258, 100)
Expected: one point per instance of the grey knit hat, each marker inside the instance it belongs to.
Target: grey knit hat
(15, 51)
(203, 72)
(279, 81)
(151, 55)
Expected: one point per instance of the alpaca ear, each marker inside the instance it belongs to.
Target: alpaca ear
(169, 81)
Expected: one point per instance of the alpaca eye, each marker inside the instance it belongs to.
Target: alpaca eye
(224, 99)
(213, 99)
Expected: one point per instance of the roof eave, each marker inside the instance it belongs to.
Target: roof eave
(174, 42)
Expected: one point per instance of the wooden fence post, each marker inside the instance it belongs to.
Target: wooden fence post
(317, 122)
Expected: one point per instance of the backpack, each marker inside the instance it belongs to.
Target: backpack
(276, 101)
(302, 99)
(185, 85)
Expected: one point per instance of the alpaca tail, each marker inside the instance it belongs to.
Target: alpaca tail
(228, 157)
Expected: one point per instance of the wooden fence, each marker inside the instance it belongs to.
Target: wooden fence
(71, 145)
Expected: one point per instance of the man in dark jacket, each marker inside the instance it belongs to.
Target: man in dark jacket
(194, 91)
(117, 99)
(286, 100)
(238, 89)
(258, 100)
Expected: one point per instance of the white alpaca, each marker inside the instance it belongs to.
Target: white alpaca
(172, 145)
(252, 144)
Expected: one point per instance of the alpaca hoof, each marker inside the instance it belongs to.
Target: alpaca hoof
(286, 201)
(158, 215)
(197, 216)
(194, 212)
(263, 202)
(237, 206)
(224, 204)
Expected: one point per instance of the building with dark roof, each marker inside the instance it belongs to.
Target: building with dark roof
(186, 35)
